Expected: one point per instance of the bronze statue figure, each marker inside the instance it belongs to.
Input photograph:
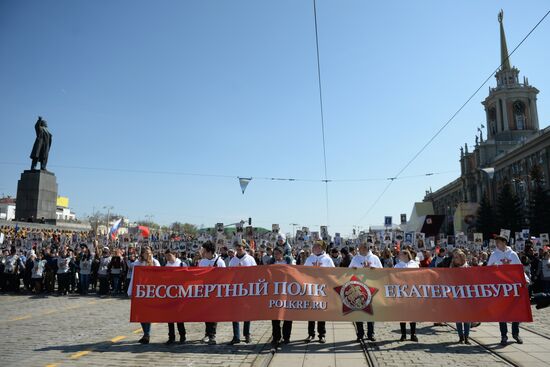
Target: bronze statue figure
(42, 144)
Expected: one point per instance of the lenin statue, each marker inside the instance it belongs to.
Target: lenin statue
(42, 144)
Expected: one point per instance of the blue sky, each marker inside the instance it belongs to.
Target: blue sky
(230, 88)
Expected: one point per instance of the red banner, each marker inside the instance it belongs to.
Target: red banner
(282, 292)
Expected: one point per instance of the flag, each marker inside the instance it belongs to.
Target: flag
(244, 182)
(114, 229)
(143, 231)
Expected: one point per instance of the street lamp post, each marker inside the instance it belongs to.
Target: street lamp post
(294, 229)
(109, 208)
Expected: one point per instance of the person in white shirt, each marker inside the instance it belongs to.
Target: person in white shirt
(145, 259)
(504, 255)
(85, 269)
(365, 259)
(173, 261)
(38, 272)
(63, 262)
(406, 260)
(321, 259)
(210, 259)
(241, 258)
(11, 270)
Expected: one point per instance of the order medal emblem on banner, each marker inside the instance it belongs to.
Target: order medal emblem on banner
(356, 296)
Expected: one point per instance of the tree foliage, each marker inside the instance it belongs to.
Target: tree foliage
(539, 205)
(485, 222)
(509, 213)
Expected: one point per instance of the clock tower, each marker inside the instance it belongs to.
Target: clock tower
(511, 107)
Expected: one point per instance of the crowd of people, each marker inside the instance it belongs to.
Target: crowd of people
(58, 267)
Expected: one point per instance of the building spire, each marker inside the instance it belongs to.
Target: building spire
(504, 59)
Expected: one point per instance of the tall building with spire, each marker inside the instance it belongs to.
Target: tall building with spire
(514, 144)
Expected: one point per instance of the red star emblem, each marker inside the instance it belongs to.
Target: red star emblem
(356, 296)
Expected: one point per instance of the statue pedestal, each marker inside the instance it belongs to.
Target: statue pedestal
(36, 196)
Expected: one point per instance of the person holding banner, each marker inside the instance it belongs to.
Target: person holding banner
(281, 259)
(241, 258)
(365, 259)
(145, 259)
(406, 261)
(321, 259)
(173, 261)
(504, 255)
(210, 259)
(463, 328)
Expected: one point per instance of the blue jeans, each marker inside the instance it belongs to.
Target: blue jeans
(504, 329)
(84, 283)
(463, 329)
(115, 278)
(146, 326)
(237, 330)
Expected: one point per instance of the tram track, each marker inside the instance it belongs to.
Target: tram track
(368, 350)
(267, 354)
(491, 351)
(541, 334)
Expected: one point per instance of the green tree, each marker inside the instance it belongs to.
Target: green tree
(485, 221)
(190, 229)
(509, 212)
(176, 227)
(539, 205)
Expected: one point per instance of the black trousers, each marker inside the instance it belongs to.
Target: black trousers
(63, 282)
(172, 331)
(103, 284)
(404, 328)
(210, 328)
(361, 329)
(12, 282)
(320, 328)
(276, 330)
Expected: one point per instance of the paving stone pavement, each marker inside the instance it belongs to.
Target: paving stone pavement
(436, 346)
(92, 331)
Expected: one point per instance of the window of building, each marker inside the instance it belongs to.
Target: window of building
(519, 115)
(501, 115)
(492, 120)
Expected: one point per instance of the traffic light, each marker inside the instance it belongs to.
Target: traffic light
(249, 221)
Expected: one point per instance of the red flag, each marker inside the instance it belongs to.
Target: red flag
(144, 231)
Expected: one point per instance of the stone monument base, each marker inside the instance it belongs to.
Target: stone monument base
(36, 197)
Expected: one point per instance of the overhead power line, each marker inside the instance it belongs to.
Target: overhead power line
(321, 107)
(209, 175)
